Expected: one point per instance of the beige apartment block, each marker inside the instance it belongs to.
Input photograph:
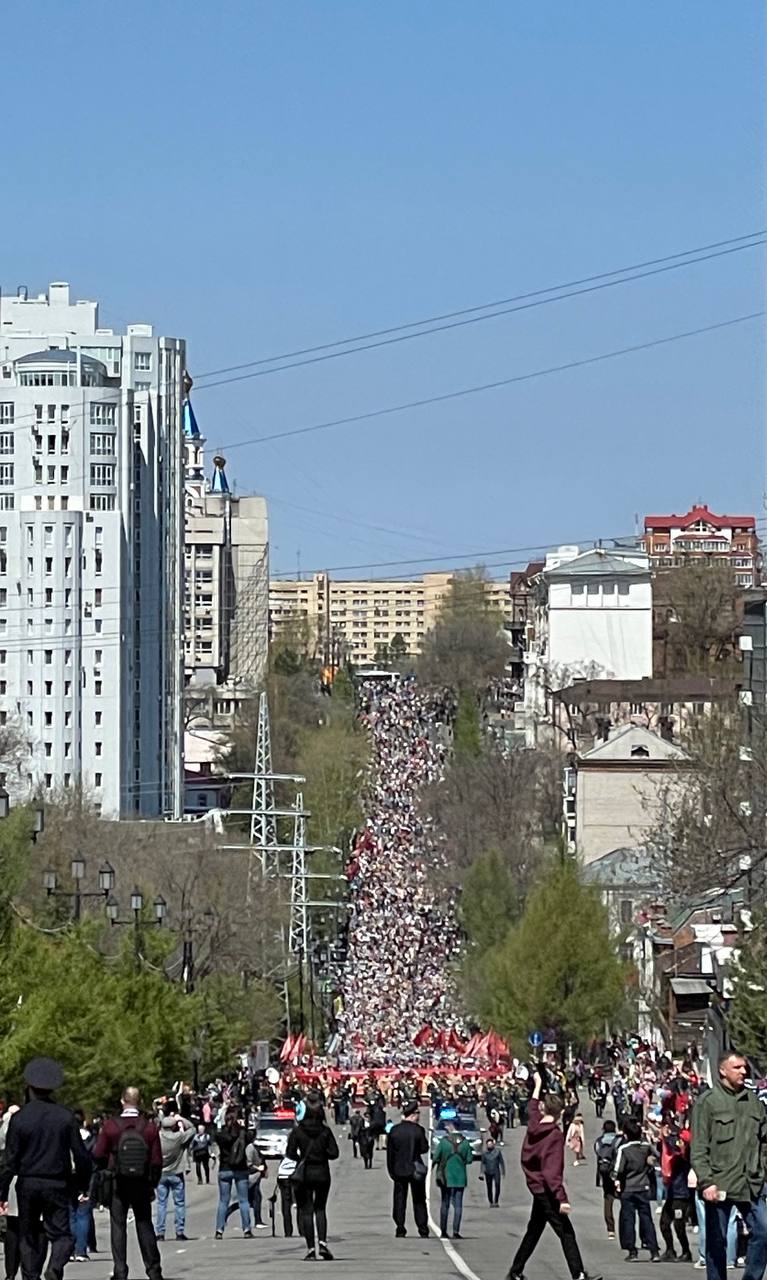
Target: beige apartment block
(358, 619)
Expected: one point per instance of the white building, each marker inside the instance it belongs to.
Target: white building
(91, 553)
(226, 579)
(593, 620)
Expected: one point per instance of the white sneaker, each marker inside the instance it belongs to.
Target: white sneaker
(700, 1264)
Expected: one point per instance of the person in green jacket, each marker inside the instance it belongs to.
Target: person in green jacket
(451, 1159)
(729, 1158)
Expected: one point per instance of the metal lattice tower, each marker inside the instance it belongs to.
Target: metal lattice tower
(299, 922)
(263, 827)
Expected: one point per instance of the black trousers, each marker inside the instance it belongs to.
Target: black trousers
(202, 1166)
(11, 1247)
(126, 1196)
(545, 1212)
(312, 1199)
(674, 1213)
(493, 1186)
(286, 1204)
(633, 1205)
(43, 1220)
(399, 1203)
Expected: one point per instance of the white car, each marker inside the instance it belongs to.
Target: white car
(274, 1128)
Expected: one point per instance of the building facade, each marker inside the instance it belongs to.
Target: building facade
(226, 570)
(591, 618)
(357, 620)
(701, 535)
(91, 554)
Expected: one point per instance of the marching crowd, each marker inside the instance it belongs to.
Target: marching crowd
(402, 937)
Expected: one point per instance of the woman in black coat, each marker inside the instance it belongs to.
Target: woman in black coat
(312, 1145)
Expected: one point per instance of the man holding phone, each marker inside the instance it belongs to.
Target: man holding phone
(543, 1163)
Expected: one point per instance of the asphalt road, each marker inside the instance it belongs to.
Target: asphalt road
(361, 1233)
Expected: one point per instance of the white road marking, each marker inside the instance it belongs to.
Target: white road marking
(461, 1266)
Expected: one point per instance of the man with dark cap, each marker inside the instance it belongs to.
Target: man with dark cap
(46, 1154)
(406, 1146)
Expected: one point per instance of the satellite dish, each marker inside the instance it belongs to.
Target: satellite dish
(273, 1075)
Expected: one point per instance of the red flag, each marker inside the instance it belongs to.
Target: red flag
(287, 1049)
(455, 1041)
(423, 1036)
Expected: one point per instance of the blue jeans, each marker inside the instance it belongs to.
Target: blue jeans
(80, 1226)
(226, 1179)
(754, 1215)
(732, 1233)
(171, 1183)
(451, 1196)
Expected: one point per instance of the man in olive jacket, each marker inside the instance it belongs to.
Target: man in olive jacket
(729, 1157)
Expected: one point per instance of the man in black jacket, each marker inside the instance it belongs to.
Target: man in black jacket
(46, 1154)
(631, 1173)
(406, 1146)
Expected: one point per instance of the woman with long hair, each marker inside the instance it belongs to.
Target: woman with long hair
(232, 1143)
(312, 1145)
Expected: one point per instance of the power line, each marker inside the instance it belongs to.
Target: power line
(595, 282)
(500, 382)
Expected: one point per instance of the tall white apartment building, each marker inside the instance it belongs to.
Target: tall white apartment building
(91, 554)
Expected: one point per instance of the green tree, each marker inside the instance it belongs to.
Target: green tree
(467, 739)
(558, 967)
(466, 647)
(489, 901)
(332, 759)
(398, 648)
(748, 1006)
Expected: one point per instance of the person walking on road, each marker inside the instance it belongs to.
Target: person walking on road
(451, 1159)
(128, 1147)
(200, 1147)
(631, 1173)
(605, 1148)
(729, 1158)
(493, 1169)
(675, 1168)
(46, 1155)
(356, 1125)
(406, 1146)
(312, 1145)
(543, 1164)
(232, 1142)
(176, 1136)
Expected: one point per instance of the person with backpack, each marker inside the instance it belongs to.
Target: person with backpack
(128, 1147)
(201, 1144)
(634, 1163)
(232, 1142)
(451, 1159)
(312, 1145)
(605, 1148)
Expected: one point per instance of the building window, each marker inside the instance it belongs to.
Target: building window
(627, 910)
(6, 413)
(102, 502)
(97, 779)
(142, 360)
(103, 414)
(6, 473)
(102, 442)
(98, 748)
(97, 717)
(6, 442)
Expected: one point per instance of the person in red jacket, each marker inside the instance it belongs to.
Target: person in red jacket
(543, 1163)
(129, 1147)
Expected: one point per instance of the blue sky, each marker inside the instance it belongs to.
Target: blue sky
(263, 176)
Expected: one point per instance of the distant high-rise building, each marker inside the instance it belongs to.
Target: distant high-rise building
(91, 554)
(701, 535)
(226, 638)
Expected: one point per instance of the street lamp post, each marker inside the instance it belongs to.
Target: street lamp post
(137, 906)
(38, 814)
(206, 923)
(76, 895)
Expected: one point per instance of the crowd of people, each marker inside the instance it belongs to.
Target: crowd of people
(403, 936)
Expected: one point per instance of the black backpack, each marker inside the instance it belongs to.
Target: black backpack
(132, 1157)
(605, 1157)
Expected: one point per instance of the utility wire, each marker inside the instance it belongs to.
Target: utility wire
(437, 320)
(500, 382)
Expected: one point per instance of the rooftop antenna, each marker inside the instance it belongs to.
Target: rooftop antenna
(298, 564)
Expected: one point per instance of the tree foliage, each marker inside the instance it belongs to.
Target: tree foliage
(747, 1019)
(696, 615)
(467, 736)
(489, 902)
(710, 827)
(557, 968)
(466, 647)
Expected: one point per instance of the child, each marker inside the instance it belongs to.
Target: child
(576, 1139)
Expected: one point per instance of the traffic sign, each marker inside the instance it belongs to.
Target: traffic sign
(536, 1039)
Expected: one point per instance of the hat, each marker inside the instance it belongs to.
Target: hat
(410, 1108)
(43, 1073)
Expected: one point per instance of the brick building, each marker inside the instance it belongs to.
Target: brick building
(701, 535)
